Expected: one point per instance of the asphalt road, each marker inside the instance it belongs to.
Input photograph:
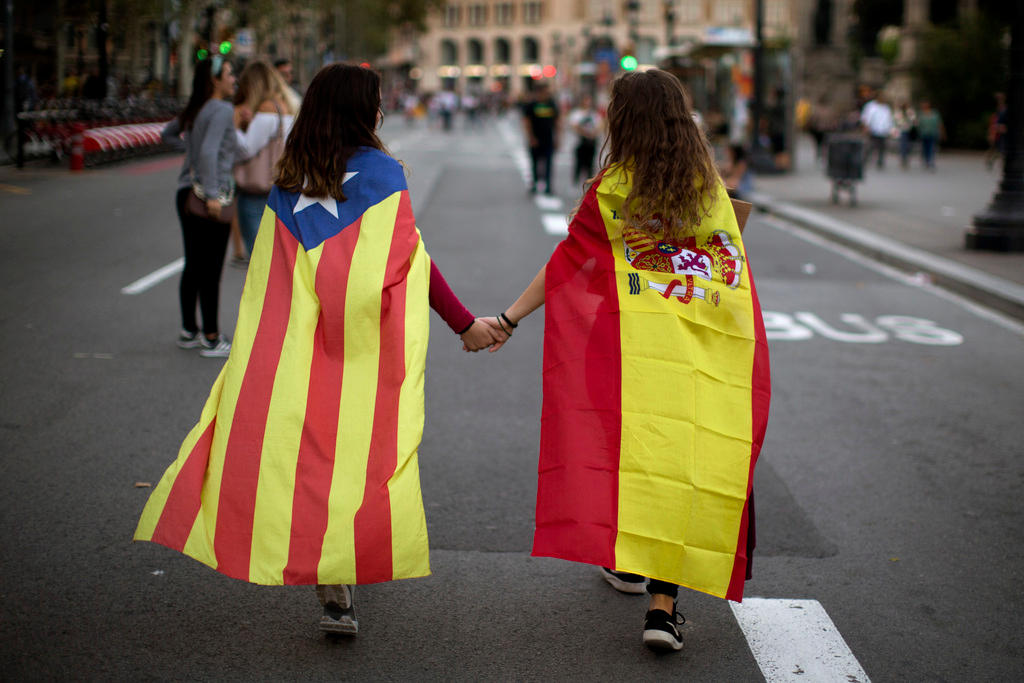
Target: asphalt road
(887, 489)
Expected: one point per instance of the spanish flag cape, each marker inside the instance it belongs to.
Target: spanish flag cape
(656, 391)
(303, 466)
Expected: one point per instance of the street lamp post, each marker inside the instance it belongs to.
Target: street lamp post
(1001, 226)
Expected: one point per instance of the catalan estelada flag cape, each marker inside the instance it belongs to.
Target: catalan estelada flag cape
(656, 391)
(303, 467)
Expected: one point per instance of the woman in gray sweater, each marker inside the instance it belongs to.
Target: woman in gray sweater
(207, 125)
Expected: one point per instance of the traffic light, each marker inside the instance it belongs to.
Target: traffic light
(628, 62)
(202, 53)
(225, 47)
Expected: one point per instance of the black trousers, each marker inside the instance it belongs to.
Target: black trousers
(541, 157)
(584, 160)
(205, 243)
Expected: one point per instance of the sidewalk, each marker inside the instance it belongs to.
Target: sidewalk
(913, 219)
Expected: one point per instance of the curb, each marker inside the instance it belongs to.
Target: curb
(971, 283)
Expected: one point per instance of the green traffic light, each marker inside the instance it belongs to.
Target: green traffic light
(202, 54)
(225, 47)
(628, 63)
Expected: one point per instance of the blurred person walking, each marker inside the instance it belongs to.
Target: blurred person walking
(303, 467)
(877, 119)
(586, 121)
(996, 132)
(905, 122)
(263, 117)
(206, 195)
(540, 125)
(931, 130)
(663, 489)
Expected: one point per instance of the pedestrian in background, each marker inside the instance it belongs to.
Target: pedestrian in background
(287, 71)
(737, 175)
(540, 126)
(656, 383)
(996, 132)
(931, 130)
(586, 121)
(877, 119)
(905, 122)
(207, 125)
(263, 117)
(303, 467)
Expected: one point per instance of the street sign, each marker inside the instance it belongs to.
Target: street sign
(245, 42)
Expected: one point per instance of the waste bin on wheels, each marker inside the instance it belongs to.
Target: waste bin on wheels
(845, 164)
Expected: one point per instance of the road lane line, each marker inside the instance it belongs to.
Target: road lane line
(795, 640)
(1006, 322)
(154, 278)
(555, 223)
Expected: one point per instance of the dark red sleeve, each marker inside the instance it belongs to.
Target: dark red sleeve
(447, 305)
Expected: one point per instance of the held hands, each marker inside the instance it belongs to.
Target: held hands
(482, 335)
(501, 326)
(213, 207)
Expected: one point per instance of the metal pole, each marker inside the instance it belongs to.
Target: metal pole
(8, 60)
(1001, 226)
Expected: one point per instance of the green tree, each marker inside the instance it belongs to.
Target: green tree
(959, 67)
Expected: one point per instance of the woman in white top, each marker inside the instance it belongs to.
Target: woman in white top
(263, 116)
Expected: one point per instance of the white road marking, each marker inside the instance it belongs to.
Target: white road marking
(548, 203)
(795, 640)
(555, 223)
(154, 278)
(1004, 321)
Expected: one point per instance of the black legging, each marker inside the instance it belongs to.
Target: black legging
(206, 242)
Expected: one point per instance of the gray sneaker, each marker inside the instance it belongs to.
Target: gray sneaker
(216, 348)
(339, 613)
(189, 340)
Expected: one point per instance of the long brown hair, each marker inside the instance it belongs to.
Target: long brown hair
(652, 134)
(202, 88)
(255, 85)
(337, 117)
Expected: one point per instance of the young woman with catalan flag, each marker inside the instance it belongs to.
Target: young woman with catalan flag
(655, 373)
(303, 467)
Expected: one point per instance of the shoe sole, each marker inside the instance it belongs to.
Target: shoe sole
(188, 344)
(638, 588)
(657, 639)
(346, 626)
(212, 354)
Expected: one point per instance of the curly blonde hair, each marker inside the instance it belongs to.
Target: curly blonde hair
(652, 134)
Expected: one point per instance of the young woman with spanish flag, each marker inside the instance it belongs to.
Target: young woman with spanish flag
(656, 379)
(303, 466)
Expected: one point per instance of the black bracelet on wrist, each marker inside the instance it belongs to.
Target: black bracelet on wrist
(510, 323)
(502, 325)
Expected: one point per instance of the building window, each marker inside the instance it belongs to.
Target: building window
(532, 12)
(729, 12)
(505, 13)
(690, 11)
(452, 15)
(477, 15)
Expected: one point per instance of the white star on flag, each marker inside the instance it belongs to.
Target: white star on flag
(330, 204)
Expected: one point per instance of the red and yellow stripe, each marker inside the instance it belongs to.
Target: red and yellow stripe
(303, 467)
(654, 410)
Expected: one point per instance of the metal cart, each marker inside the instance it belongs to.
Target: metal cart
(845, 164)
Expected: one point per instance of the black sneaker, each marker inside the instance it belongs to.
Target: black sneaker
(661, 630)
(339, 613)
(634, 584)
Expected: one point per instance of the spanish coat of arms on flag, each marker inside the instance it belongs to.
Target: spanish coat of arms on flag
(656, 393)
(303, 466)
